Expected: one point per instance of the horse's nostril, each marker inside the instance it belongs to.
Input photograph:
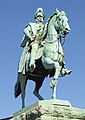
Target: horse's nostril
(68, 30)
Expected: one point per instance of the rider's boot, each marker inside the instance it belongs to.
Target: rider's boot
(64, 70)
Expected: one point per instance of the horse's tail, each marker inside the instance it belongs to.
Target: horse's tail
(17, 89)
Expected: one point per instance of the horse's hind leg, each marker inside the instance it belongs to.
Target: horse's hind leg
(38, 84)
(23, 86)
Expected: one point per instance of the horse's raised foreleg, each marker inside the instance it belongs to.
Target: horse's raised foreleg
(38, 85)
(23, 86)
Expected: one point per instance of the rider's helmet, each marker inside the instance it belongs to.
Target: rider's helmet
(39, 12)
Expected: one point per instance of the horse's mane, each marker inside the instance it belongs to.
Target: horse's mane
(58, 14)
(51, 17)
(48, 21)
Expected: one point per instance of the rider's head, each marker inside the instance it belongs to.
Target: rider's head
(39, 15)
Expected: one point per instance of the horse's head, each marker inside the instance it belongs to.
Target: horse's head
(61, 22)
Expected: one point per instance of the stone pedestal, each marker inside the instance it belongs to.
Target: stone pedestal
(50, 110)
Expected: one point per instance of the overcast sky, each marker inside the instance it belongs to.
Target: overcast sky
(14, 15)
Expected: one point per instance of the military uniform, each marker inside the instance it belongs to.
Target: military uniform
(33, 35)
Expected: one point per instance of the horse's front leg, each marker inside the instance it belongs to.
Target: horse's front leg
(54, 93)
(54, 82)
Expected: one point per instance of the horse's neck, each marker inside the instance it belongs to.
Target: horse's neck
(51, 28)
(53, 38)
(52, 34)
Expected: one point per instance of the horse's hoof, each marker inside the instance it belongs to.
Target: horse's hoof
(38, 95)
(54, 97)
(23, 107)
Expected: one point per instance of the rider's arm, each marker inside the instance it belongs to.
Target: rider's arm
(28, 32)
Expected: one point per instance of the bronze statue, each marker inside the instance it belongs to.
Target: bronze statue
(43, 53)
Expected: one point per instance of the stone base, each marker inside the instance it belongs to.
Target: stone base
(50, 110)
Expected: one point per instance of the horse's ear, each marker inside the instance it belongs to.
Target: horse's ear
(57, 11)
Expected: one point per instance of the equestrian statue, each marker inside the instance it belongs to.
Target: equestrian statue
(43, 53)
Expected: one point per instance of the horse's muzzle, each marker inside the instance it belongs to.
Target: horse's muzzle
(66, 31)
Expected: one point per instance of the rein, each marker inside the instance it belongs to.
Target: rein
(62, 43)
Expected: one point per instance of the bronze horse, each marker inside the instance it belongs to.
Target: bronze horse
(48, 64)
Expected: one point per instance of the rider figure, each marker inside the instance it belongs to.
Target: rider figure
(36, 32)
